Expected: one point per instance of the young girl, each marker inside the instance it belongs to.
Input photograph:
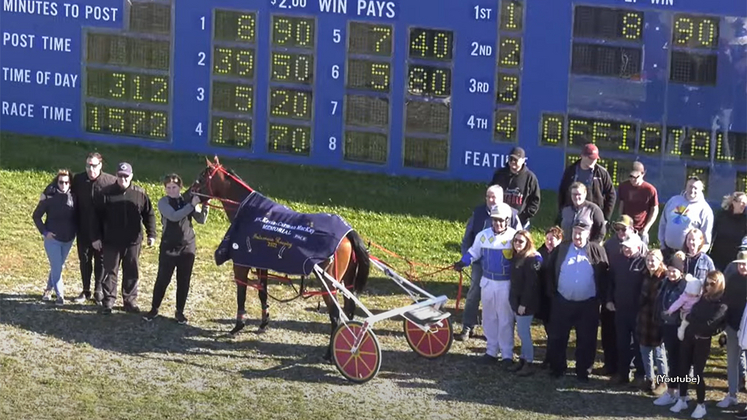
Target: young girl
(647, 330)
(685, 302)
(524, 295)
(58, 231)
(706, 319)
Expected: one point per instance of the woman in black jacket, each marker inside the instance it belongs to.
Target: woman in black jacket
(729, 228)
(524, 295)
(177, 244)
(58, 231)
(706, 319)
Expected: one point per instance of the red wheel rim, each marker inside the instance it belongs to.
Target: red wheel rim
(362, 364)
(431, 343)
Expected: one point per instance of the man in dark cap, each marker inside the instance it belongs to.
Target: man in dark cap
(577, 276)
(521, 189)
(125, 208)
(597, 180)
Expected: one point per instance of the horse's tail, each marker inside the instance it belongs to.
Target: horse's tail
(361, 257)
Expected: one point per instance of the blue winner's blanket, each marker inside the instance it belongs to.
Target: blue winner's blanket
(268, 235)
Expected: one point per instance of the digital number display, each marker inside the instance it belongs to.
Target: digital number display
(505, 125)
(231, 132)
(690, 31)
(427, 117)
(692, 142)
(741, 182)
(296, 32)
(605, 134)
(605, 60)
(126, 121)
(619, 169)
(150, 17)
(512, 15)
(431, 44)
(233, 97)
(290, 103)
(650, 139)
(369, 75)
(372, 39)
(552, 130)
(126, 51)
(607, 23)
(291, 139)
(509, 52)
(426, 153)
(127, 86)
(366, 111)
(235, 26)
(233, 61)
(367, 147)
(731, 147)
(702, 173)
(507, 92)
(428, 80)
(292, 67)
(693, 68)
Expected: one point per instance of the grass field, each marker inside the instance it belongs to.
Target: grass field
(70, 362)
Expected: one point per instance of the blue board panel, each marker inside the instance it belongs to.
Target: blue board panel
(427, 88)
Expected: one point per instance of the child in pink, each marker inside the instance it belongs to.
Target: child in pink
(685, 302)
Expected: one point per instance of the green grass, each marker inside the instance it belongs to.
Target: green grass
(72, 363)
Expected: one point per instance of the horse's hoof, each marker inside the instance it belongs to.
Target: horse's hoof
(262, 330)
(327, 357)
(239, 326)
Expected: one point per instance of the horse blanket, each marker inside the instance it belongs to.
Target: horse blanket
(268, 235)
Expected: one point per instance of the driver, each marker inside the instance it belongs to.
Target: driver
(492, 248)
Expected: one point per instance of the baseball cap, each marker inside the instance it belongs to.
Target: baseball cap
(591, 151)
(741, 257)
(623, 221)
(638, 169)
(518, 153)
(581, 224)
(124, 168)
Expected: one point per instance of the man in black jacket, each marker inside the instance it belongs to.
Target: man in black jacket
(124, 208)
(84, 186)
(521, 189)
(577, 275)
(735, 298)
(597, 180)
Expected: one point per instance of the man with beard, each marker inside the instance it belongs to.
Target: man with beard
(682, 212)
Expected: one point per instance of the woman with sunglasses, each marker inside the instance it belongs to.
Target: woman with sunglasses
(706, 319)
(524, 295)
(58, 231)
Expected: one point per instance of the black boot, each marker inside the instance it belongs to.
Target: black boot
(465, 335)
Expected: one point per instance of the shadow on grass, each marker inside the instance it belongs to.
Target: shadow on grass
(455, 376)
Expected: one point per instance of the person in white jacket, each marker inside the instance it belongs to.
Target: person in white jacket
(492, 248)
(682, 212)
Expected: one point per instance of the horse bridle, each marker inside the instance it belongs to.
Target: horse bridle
(210, 196)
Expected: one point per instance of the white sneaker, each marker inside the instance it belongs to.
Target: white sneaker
(681, 405)
(699, 411)
(727, 402)
(666, 399)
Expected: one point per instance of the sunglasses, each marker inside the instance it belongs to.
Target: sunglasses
(499, 220)
(519, 240)
(513, 159)
(89, 165)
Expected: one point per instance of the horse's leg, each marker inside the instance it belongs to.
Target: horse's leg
(241, 276)
(337, 270)
(262, 274)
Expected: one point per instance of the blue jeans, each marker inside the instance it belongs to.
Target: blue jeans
(56, 254)
(734, 360)
(524, 328)
(655, 355)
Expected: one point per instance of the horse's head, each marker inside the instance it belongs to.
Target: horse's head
(215, 181)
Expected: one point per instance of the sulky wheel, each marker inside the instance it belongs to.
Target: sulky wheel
(364, 364)
(432, 343)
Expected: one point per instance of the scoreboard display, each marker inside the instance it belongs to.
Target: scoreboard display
(424, 88)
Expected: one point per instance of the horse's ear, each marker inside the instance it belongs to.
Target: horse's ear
(207, 161)
(216, 160)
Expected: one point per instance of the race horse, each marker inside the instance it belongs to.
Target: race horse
(348, 263)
